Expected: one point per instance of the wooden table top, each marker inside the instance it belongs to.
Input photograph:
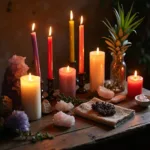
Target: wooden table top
(83, 133)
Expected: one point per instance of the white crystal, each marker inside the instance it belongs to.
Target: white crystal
(46, 106)
(63, 106)
(62, 119)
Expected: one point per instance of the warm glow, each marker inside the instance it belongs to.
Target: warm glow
(71, 15)
(81, 20)
(50, 31)
(33, 26)
(97, 50)
(68, 68)
(135, 73)
(30, 77)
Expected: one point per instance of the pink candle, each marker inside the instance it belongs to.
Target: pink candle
(35, 51)
(67, 81)
(50, 54)
(81, 46)
(135, 85)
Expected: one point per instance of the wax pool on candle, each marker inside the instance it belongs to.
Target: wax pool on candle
(31, 96)
(97, 69)
(50, 55)
(71, 28)
(81, 46)
(35, 51)
(135, 85)
(67, 81)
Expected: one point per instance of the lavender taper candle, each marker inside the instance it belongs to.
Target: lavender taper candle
(35, 51)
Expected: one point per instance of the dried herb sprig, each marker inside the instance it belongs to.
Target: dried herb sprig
(75, 101)
(35, 137)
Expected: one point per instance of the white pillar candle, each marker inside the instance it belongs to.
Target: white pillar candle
(31, 96)
(97, 69)
(67, 81)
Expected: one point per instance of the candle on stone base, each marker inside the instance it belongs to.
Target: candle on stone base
(31, 96)
(67, 81)
(135, 85)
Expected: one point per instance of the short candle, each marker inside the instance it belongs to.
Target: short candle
(135, 85)
(67, 81)
(31, 96)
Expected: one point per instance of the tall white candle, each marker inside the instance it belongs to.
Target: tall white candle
(97, 69)
(31, 96)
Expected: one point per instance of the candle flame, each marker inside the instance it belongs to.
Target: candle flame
(135, 73)
(30, 77)
(50, 31)
(97, 50)
(81, 20)
(68, 68)
(33, 26)
(71, 15)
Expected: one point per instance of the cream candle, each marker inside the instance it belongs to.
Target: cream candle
(67, 81)
(135, 85)
(97, 69)
(31, 96)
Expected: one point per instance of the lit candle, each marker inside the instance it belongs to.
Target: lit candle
(50, 54)
(97, 69)
(35, 51)
(71, 28)
(81, 46)
(135, 85)
(31, 96)
(67, 81)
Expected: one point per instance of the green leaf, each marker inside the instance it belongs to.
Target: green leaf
(122, 17)
(118, 18)
(128, 16)
(131, 19)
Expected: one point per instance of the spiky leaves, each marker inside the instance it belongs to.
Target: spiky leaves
(126, 24)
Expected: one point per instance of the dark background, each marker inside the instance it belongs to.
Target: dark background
(15, 27)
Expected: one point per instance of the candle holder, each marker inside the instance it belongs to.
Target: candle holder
(50, 89)
(72, 64)
(81, 83)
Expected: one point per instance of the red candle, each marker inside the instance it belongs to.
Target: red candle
(81, 46)
(50, 54)
(35, 51)
(67, 81)
(135, 85)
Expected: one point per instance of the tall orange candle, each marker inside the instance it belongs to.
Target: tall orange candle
(135, 85)
(81, 46)
(50, 54)
(71, 36)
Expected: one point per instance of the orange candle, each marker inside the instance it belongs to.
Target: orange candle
(81, 46)
(135, 85)
(50, 54)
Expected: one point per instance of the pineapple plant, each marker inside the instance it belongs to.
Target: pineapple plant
(118, 43)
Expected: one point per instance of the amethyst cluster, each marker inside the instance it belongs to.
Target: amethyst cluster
(11, 83)
(18, 120)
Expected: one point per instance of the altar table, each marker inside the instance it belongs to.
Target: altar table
(84, 134)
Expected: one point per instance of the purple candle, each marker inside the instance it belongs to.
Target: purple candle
(67, 81)
(35, 51)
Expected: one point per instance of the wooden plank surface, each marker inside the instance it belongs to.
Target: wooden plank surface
(83, 133)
